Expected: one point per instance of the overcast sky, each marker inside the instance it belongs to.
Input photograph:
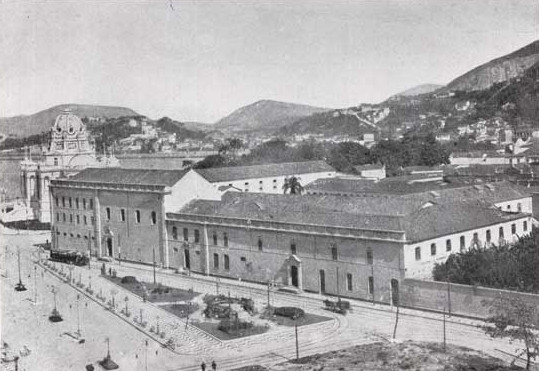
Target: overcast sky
(200, 60)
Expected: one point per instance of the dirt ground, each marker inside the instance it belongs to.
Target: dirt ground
(389, 356)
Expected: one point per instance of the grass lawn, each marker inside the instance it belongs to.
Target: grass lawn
(211, 328)
(307, 319)
(142, 288)
(180, 309)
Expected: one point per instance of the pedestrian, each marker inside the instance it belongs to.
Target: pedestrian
(213, 365)
(203, 366)
(110, 271)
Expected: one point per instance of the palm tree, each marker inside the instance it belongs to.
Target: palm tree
(293, 185)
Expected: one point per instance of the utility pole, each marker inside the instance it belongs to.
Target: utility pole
(268, 294)
(78, 316)
(444, 331)
(338, 292)
(296, 330)
(146, 355)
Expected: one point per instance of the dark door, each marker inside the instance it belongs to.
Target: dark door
(322, 281)
(109, 246)
(294, 274)
(395, 291)
(187, 260)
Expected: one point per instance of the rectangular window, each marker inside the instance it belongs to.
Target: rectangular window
(186, 234)
(349, 284)
(153, 218)
(433, 249)
(70, 202)
(225, 239)
(488, 236)
(197, 236)
(216, 261)
(174, 233)
(293, 249)
(85, 220)
(227, 262)
(57, 217)
(243, 259)
(91, 204)
(71, 218)
(84, 203)
(525, 226)
(500, 233)
(137, 216)
(418, 253)
(371, 285)
(63, 201)
(56, 199)
(77, 202)
(64, 217)
(107, 211)
(334, 253)
(122, 215)
(369, 257)
(78, 219)
(448, 245)
(513, 228)
(260, 244)
(475, 237)
(519, 207)
(214, 238)
(462, 243)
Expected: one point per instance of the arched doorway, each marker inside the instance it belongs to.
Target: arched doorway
(109, 246)
(322, 281)
(395, 291)
(294, 275)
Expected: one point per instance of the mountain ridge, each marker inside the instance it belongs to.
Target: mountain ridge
(36, 123)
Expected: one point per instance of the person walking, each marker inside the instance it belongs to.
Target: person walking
(213, 365)
(203, 366)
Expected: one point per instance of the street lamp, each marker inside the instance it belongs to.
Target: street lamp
(55, 316)
(296, 315)
(20, 286)
(78, 333)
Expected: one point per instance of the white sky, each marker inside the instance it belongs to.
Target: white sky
(200, 60)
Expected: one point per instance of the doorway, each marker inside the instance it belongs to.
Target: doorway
(395, 291)
(109, 246)
(294, 275)
(187, 259)
(322, 281)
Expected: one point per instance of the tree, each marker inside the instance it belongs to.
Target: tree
(516, 320)
(293, 185)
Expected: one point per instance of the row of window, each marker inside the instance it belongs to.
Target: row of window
(260, 243)
(350, 284)
(68, 202)
(122, 215)
(77, 219)
(475, 240)
(72, 235)
(226, 261)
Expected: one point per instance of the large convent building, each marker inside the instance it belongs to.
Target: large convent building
(359, 244)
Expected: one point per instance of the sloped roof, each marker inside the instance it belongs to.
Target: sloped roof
(369, 167)
(224, 174)
(442, 220)
(130, 176)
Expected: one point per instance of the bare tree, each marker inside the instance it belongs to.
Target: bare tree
(518, 321)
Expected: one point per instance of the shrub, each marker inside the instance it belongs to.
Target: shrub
(129, 280)
(232, 326)
(289, 312)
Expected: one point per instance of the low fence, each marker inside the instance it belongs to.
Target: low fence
(471, 301)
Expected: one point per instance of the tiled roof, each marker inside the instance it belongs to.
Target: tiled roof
(442, 220)
(449, 192)
(225, 174)
(335, 211)
(130, 176)
(418, 219)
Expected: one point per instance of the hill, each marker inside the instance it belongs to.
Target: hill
(497, 70)
(419, 89)
(22, 126)
(198, 126)
(264, 115)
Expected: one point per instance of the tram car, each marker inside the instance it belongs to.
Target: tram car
(69, 256)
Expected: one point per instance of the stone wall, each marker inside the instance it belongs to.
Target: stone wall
(472, 301)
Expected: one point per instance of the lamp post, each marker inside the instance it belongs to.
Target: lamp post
(20, 286)
(35, 284)
(78, 333)
(296, 331)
